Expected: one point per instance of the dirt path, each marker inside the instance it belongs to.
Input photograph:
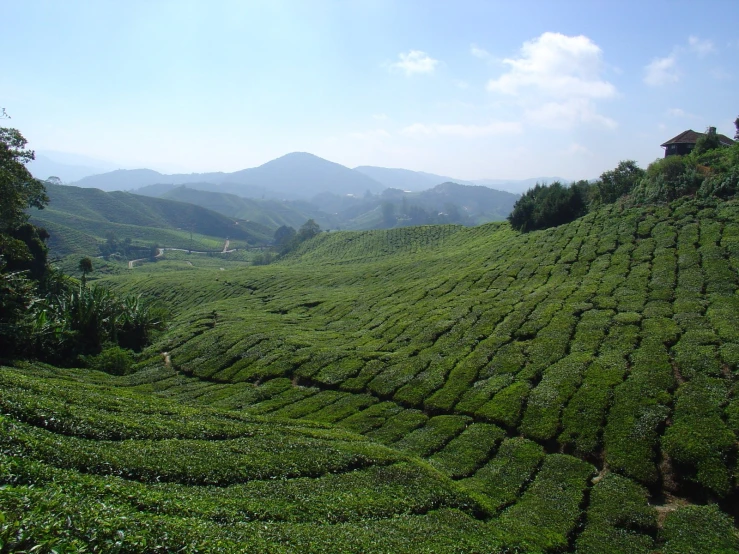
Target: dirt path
(160, 253)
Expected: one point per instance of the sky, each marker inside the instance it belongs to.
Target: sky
(470, 89)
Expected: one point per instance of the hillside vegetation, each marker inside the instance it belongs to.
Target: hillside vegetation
(78, 219)
(427, 389)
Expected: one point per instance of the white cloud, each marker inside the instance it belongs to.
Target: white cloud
(380, 117)
(479, 52)
(466, 131)
(701, 47)
(556, 65)
(415, 61)
(557, 79)
(662, 71)
(567, 114)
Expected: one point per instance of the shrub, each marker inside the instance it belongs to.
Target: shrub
(114, 360)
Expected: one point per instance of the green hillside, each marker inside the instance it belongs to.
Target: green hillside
(426, 389)
(79, 218)
(270, 213)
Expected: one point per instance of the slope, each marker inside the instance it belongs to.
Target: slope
(578, 385)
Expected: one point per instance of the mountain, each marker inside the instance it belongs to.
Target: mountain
(405, 179)
(414, 181)
(303, 175)
(78, 218)
(293, 176)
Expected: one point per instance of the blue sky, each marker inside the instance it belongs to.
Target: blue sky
(469, 89)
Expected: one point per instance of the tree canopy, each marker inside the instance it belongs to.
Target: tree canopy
(547, 206)
(18, 188)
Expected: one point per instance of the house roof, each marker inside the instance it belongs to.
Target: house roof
(691, 137)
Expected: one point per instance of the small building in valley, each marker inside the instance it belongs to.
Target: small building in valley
(685, 142)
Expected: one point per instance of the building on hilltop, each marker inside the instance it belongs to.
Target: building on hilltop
(685, 142)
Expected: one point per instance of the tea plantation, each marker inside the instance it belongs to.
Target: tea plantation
(425, 389)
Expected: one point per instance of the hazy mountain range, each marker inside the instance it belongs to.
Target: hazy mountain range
(298, 175)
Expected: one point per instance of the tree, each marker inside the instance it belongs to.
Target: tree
(708, 141)
(613, 184)
(18, 188)
(283, 235)
(308, 230)
(21, 244)
(736, 124)
(85, 267)
(547, 206)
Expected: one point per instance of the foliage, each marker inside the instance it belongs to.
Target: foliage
(707, 172)
(616, 183)
(547, 206)
(308, 230)
(114, 360)
(283, 235)
(699, 529)
(707, 141)
(18, 189)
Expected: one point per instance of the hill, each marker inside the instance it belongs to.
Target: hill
(270, 213)
(480, 204)
(78, 217)
(421, 389)
(129, 179)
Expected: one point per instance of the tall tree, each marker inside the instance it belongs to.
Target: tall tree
(308, 230)
(21, 244)
(283, 235)
(85, 267)
(613, 184)
(18, 189)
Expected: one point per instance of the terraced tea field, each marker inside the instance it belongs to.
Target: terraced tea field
(428, 389)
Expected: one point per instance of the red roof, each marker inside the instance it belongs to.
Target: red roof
(691, 137)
